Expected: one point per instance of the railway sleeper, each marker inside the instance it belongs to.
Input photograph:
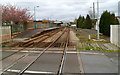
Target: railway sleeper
(28, 44)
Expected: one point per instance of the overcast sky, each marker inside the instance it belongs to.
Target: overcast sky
(63, 9)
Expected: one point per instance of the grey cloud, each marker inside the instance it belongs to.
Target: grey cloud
(64, 9)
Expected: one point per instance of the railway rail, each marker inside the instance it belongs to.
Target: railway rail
(51, 54)
(22, 71)
(31, 41)
(24, 54)
(64, 44)
(60, 70)
(28, 42)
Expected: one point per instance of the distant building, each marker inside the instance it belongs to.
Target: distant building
(40, 24)
(75, 21)
(119, 8)
(73, 26)
(58, 23)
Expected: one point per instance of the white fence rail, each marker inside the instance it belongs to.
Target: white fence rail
(115, 34)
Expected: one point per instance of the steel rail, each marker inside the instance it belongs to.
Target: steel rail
(24, 69)
(49, 35)
(61, 67)
(25, 48)
(11, 54)
(9, 66)
(36, 59)
(22, 57)
(36, 38)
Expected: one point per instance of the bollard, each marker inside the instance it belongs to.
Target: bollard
(89, 36)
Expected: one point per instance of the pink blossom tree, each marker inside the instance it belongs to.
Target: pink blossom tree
(14, 14)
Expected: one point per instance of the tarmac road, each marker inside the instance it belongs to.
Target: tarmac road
(93, 62)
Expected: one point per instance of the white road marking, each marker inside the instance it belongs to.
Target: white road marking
(31, 71)
(58, 51)
(80, 64)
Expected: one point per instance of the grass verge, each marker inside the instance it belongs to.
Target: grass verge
(90, 48)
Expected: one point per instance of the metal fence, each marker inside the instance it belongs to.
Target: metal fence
(17, 28)
(115, 34)
(40, 25)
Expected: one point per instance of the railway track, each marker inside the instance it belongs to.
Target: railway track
(24, 54)
(47, 60)
(37, 38)
(23, 61)
(28, 42)
(65, 46)
(22, 57)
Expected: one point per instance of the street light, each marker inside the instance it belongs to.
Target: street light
(35, 16)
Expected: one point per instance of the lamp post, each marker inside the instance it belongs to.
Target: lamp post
(35, 16)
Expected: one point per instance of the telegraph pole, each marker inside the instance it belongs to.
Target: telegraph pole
(93, 10)
(98, 36)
